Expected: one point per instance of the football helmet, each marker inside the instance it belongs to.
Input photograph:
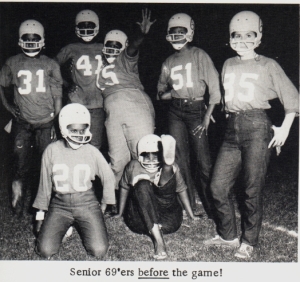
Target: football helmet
(87, 34)
(149, 144)
(245, 21)
(114, 35)
(180, 20)
(75, 114)
(31, 27)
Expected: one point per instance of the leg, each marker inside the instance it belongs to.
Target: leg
(142, 216)
(118, 150)
(56, 224)
(225, 172)
(178, 130)
(255, 157)
(97, 126)
(22, 141)
(93, 229)
(200, 149)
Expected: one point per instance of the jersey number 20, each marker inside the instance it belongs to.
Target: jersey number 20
(81, 174)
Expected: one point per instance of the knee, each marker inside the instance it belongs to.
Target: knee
(98, 251)
(143, 185)
(45, 250)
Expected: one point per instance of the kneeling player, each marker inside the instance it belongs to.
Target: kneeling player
(68, 168)
(151, 185)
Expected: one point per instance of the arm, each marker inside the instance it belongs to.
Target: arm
(289, 97)
(123, 198)
(13, 110)
(144, 29)
(186, 204)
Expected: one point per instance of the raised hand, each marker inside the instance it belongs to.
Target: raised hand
(146, 22)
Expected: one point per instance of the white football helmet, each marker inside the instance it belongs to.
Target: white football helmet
(115, 35)
(75, 114)
(245, 21)
(31, 27)
(181, 20)
(149, 144)
(87, 34)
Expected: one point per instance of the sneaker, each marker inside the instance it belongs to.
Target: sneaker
(169, 146)
(244, 251)
(218, 241)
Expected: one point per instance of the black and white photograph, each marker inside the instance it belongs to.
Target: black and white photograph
(149, 140)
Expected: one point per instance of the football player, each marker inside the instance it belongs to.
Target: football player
(68, 168)
(37, 85)
(84, 59)
(129, 110)
(151, 185)
(249, 80)
(184, 78)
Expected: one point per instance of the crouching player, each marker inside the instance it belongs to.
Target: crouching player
(68, 168)
(151, 185)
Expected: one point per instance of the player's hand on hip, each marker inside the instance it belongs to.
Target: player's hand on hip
(146, 22)
(280, 135)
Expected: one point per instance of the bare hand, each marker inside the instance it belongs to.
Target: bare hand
(280, 136)
(146, 23)
(202, 127)
(14, 110)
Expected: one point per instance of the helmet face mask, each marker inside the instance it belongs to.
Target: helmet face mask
(31, 37)
(87, 25)
(74, 125)
(245, 31)
(114, 43)
(180, 27)
(149, 152)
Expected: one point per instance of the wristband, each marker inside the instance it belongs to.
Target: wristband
(40, 215)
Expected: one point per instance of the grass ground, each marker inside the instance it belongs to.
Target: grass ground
(278, 237)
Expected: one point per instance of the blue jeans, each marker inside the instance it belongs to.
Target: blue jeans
(97, 126)
(65, 209)
(184, 116)
(245, 148)
(149, 204)
(129, 117)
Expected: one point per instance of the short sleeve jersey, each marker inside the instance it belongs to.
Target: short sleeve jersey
(36, 82)
(134, 168)
(188, 73)
(68, 171)
(87, 63)
(250, 84)
(122, 73)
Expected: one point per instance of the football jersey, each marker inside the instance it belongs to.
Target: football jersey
(250, 84)
(36, 81)
(134, 169)
(122, 73)
(188, 72)
(87, 62)
(68, 171)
